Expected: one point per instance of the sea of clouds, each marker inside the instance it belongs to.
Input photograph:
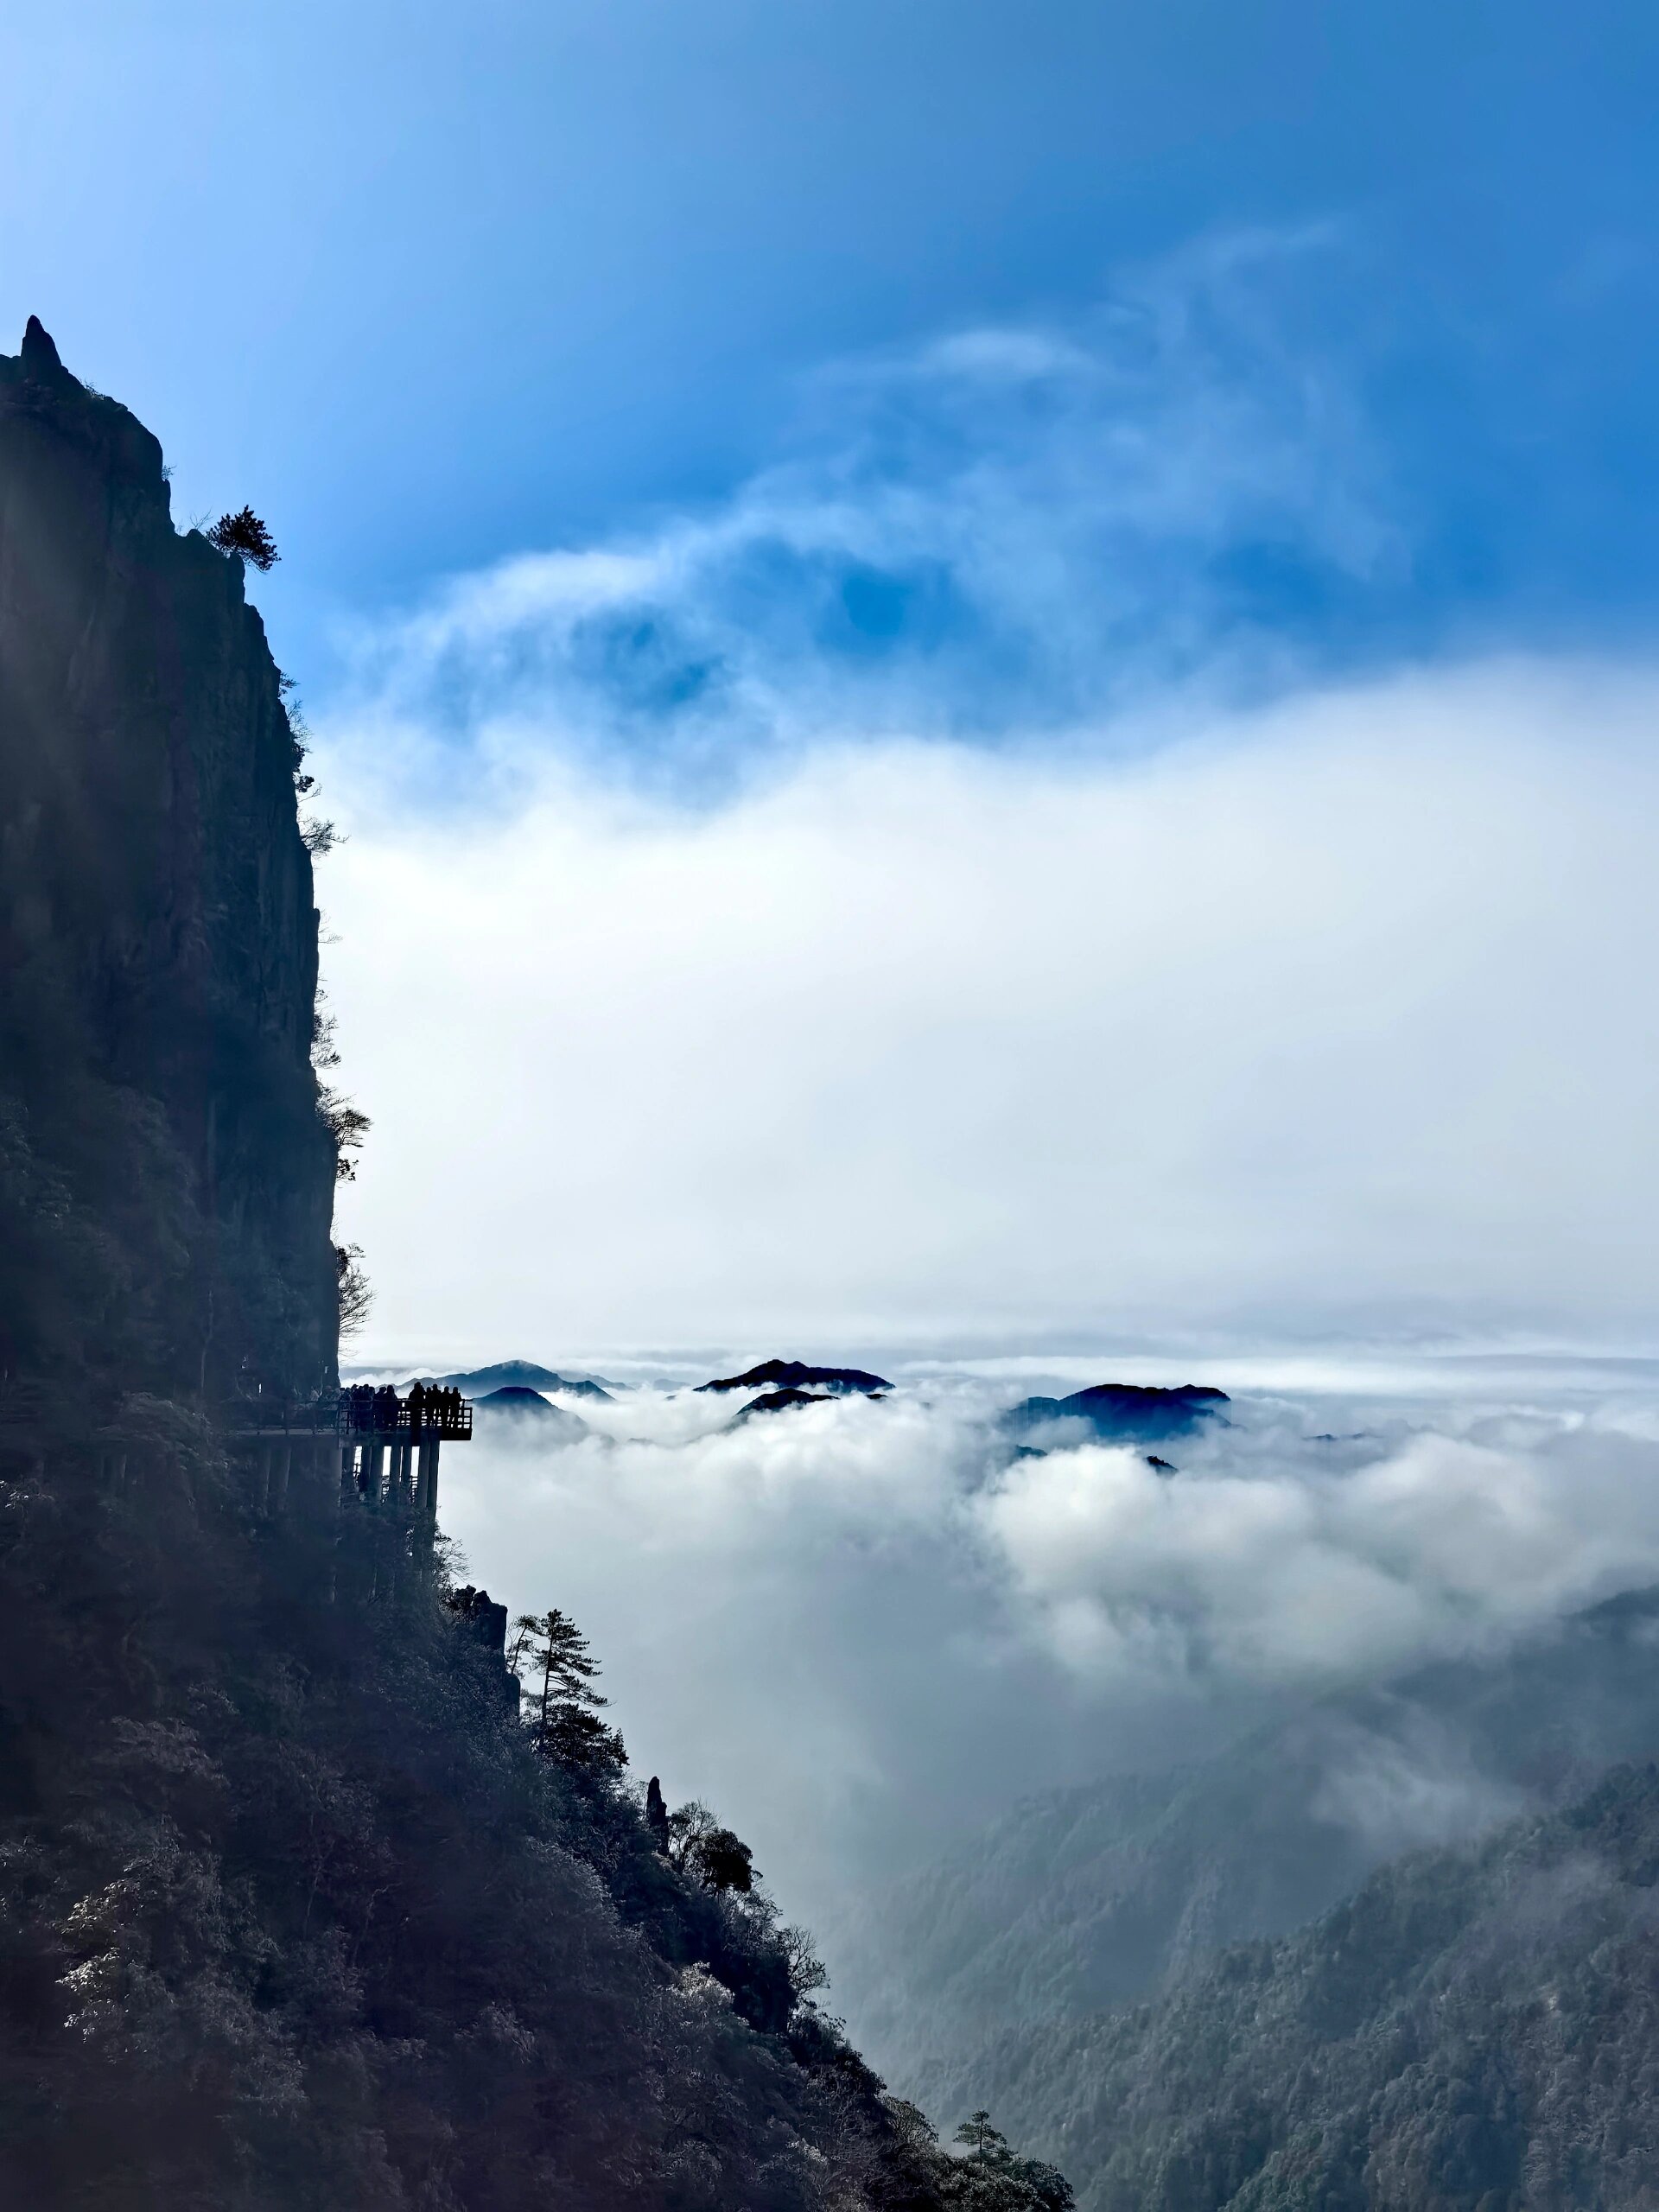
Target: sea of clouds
(855, 1626)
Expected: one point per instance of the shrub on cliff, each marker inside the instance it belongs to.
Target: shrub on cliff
(243, 533)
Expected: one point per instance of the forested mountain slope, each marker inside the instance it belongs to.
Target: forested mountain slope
(1090, 1898)
(1474, 2028)
(294, 1915)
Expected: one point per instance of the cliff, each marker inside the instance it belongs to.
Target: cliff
(166, 1181)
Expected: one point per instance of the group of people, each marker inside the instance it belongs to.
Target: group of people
(430, 1405)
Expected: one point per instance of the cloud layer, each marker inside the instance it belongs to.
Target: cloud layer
(856, 1626)
(1328, 1018)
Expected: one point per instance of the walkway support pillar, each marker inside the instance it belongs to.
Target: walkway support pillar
(426, 1496)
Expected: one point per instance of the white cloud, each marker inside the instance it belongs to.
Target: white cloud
(1280, 1573)
(1328, 1018)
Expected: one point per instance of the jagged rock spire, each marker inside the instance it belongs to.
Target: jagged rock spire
(41, 359)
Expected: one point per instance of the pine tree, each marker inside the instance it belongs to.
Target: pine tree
(563, 1718)
(982, 2141)
(245, 534)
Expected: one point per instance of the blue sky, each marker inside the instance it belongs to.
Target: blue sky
(435, 286)
(1005, 654)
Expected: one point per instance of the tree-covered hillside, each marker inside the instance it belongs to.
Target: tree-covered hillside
(1084, 1900)
(1475, 2030)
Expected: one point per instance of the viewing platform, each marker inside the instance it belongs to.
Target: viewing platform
(387, 1444)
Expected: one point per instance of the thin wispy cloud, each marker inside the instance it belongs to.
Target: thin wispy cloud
(1001, 533)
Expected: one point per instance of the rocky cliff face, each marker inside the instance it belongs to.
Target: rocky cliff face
(166, 1182)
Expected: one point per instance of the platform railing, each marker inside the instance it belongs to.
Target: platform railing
(356, 1413)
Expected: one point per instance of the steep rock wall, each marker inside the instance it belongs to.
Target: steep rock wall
(166, 1181)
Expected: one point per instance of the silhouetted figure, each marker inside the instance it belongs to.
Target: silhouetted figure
(416, 1406)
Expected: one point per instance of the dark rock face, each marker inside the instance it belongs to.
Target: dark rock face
(481, 1618)
(1129, 1411)
(795, 1375)
(158, 940)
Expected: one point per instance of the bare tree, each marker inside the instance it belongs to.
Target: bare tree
(355, 1296)
(348, 1125)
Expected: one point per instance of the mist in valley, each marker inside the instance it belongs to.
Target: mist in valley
(864, 1630)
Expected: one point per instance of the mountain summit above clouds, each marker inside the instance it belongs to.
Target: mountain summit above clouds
(1135, 1411)
(795, 1375)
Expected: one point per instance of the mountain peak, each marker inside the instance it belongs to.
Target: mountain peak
(796, 1375)
(41, 361)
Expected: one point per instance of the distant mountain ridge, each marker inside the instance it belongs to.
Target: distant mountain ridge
(796, 1375)
(779, 1402)
(521, 1375)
